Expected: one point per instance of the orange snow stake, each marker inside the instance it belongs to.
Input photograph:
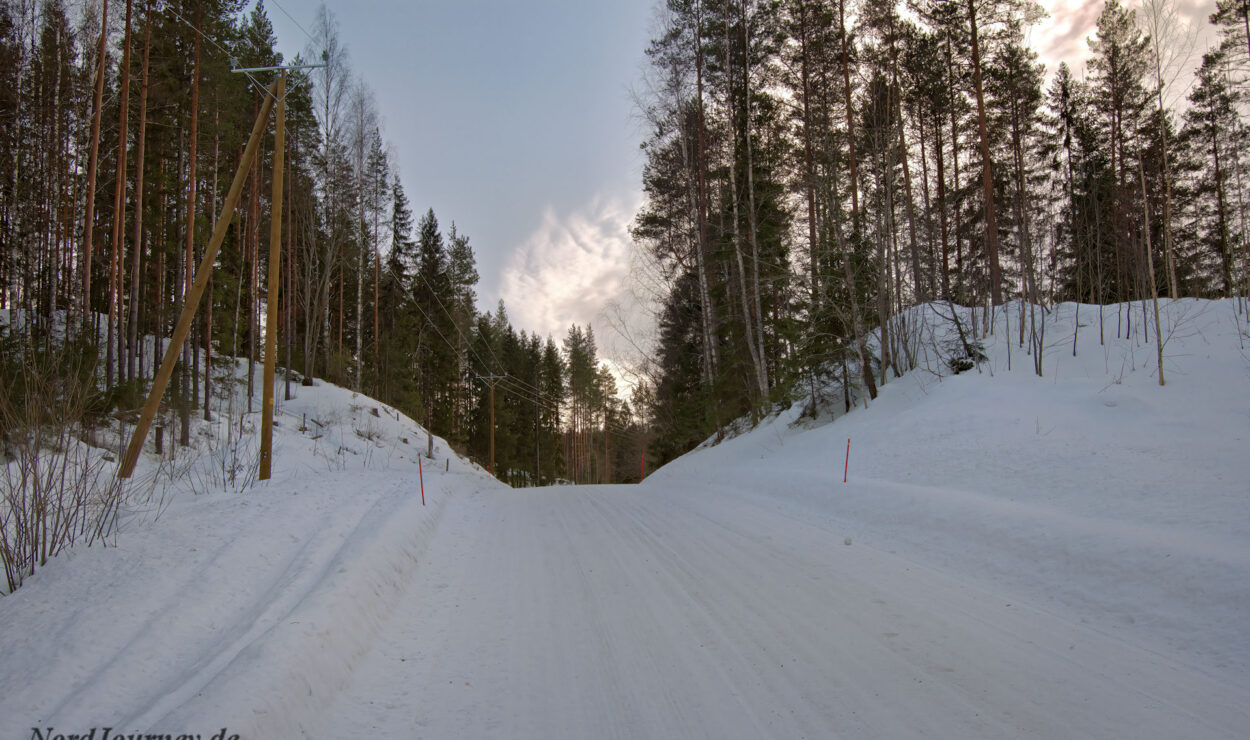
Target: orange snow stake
(848, 459)
(421, 477)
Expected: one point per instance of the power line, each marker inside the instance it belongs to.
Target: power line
(498, 364)
(297, 23)
(229, 54)
(615, 428)
(509, 382)
(234, 61)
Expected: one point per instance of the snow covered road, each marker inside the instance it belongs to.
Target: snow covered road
(1013, 556)
(627, 612)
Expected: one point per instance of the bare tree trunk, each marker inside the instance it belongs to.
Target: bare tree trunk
(850, 121)
(705, 274)
(182, 270)
(253, 314)
(959, 261)
(136, 291)
(191, 353)
(987, 177)
(809, 168)
(748, 330)
(911, 209)
(360, 253)
(92, 162)
(208, 313)
(119, 213)
(885, 234)
(1150, 263)
(941, 207)
(930, 279)
(289, 293)
(696, 203)
(761, 353)
(377, 299)
(857, 324)
(1226, 269)
(1168, 256)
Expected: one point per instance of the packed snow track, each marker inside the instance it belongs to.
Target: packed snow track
(643, 612)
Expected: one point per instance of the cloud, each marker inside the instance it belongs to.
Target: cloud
(1064, 35)
(578, 268)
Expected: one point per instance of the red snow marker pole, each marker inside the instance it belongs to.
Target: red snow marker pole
(421, 477)
(848, 459)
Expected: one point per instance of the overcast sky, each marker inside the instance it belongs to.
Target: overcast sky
(513, 118)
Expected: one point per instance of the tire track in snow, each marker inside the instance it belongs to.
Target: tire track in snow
(627, 612)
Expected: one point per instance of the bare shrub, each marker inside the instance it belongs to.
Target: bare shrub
(55, 489)
(230, 465)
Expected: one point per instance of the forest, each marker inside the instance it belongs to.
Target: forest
(816, 167)
(813, 169)
(123, 126)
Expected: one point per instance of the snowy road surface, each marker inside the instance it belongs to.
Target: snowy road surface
(1013, 556)
(632, 612)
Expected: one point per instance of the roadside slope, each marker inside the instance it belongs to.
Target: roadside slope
(221, 607)
(1090, 492)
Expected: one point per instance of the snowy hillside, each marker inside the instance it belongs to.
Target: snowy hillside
(217, 587)
(1090, 490)
(1011, 556)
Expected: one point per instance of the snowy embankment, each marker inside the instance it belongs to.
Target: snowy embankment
(1091, 490)
(240, 608)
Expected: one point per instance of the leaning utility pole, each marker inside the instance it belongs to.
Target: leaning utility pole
(276, 93)
(197, 292)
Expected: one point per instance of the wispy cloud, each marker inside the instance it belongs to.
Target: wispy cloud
(1064, 35)
(578, 268)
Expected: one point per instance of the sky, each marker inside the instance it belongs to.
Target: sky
(514, 119)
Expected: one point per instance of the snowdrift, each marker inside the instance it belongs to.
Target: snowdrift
(1091, 490)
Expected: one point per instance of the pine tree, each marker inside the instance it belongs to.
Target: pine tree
(1118, 68)
(437, 367)
(10, 95)
(462, 278)
(398, 317)
(1210, 123)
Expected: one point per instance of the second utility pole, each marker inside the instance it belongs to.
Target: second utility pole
(491, 381)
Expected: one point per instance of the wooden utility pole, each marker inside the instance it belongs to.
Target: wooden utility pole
(172, 351)
(275, 261)
(491, 381)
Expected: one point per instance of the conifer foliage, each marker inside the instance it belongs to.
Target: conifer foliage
(373, 297)
(815, 167)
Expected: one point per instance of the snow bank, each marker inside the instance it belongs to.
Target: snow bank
(1091, 490)
(244, 610)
